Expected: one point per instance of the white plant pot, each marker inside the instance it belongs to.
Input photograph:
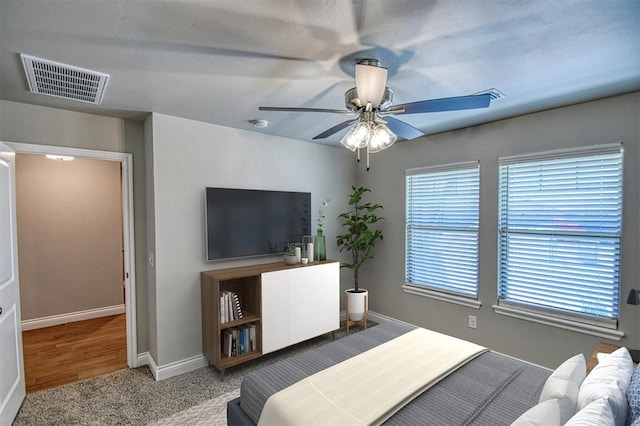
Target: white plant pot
(357, 304)
(290, 260)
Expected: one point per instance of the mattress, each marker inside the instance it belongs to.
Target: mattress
(490, 390)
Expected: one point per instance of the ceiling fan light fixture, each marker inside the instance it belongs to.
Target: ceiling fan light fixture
(358, 137)
(381, 138)
(371, 82)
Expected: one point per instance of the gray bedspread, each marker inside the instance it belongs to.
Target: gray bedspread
(490, 390)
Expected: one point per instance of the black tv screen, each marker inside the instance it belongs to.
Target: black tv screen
(248, 222)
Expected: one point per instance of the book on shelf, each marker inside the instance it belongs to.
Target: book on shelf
(230, 306)
(242, 348)
(252, 337)
(237, 306)
(226, 347)
(239, 340)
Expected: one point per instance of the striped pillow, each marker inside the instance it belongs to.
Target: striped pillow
(597, 413)
(609, 379)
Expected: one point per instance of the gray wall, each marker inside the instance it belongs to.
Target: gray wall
(150, 247)
(605, 121)
(49, 126)
(189, 156)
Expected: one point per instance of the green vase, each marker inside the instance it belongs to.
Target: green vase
(320, 248)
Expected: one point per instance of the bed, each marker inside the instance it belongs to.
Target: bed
(490, 389)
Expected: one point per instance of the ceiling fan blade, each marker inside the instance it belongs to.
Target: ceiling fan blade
(402, 129)
(335, 129)
(444, 104)
(299, 109)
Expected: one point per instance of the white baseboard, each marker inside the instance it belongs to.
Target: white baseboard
(145, 358)
(374, 316)
(36, 323)
(193, 363)
(172, 369)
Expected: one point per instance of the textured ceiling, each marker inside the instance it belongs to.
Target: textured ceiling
(217, 61)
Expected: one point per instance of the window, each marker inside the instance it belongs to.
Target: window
(559, 234)
(442, 209)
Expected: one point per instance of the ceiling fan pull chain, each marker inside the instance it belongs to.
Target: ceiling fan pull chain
(358, 156)
(367, 157)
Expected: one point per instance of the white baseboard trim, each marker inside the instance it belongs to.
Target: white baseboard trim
(374, 316)
(33, 324)
(193, 363)
(172, 369)
(145, 358)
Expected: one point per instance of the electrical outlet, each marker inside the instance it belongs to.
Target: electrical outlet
(473, 321)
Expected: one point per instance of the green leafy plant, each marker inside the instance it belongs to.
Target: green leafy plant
(321, 215)
(360, 238)
(290, 250)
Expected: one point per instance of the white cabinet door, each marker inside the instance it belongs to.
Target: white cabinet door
(12, 384)
(275, 310)
(314, 301)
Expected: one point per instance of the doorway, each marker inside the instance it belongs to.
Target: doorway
(124, 164)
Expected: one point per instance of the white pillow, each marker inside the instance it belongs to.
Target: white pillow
(564, 383)
(574, 369)
(565, 392)
(598, 413)
(609, 379)
(546, 413)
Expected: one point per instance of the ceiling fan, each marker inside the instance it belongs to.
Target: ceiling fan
(371, 102)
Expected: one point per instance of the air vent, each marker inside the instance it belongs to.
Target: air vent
(64, 81)
(494, 93)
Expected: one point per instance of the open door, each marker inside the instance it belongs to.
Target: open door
(12, 382)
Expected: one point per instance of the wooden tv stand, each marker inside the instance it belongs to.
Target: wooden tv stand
(286, 304)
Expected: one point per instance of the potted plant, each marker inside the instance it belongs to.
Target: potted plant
(359, 239)
(290, 257)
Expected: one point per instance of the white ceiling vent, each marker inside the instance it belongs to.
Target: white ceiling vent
(64, 81)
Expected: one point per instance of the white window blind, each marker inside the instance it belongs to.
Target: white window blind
(559, 229)
(442, 209)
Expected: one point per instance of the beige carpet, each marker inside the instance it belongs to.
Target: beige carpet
(133, 397)
(212, 412)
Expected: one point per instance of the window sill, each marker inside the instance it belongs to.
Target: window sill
(445, 297)
(592, 330)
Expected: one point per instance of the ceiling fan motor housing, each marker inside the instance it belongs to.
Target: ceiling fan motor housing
(353, 103)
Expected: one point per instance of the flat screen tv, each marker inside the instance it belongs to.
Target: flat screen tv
(248, 222)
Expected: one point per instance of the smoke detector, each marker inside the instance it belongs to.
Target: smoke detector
(64, 81)
(259, 124)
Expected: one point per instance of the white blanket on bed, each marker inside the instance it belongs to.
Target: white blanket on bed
(370, 387)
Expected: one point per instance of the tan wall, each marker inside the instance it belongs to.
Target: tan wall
(69, 235)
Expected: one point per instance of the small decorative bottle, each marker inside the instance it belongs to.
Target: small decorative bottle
(320, 243)
(320, 247)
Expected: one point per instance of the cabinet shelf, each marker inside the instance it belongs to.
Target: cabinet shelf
(230, 361)
(247, 319)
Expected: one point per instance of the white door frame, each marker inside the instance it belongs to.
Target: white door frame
(128, 235)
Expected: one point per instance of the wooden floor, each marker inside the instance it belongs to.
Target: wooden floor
(71, 352)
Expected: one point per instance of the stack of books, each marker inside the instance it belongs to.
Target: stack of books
(230, 308)
(239, 340)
